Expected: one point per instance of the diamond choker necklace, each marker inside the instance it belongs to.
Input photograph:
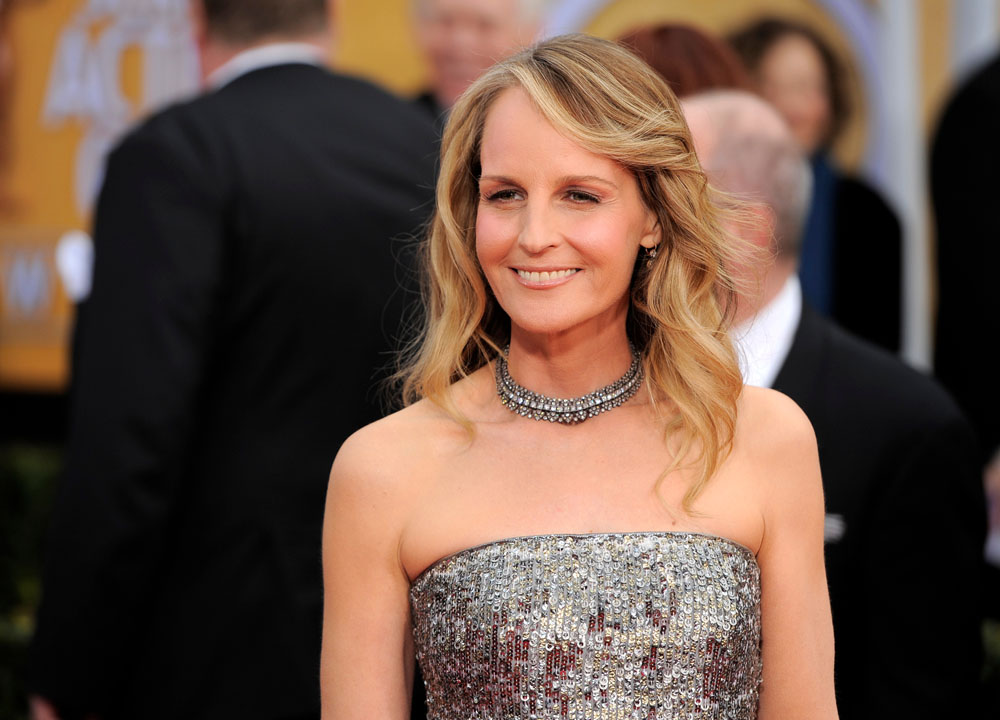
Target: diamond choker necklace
(532, 405)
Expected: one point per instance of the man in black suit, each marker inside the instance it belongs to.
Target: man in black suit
(964, 187)
(244, 266)
(905, 509)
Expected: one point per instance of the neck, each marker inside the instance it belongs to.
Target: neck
(748, 305)
(569, 364)
(215, 52)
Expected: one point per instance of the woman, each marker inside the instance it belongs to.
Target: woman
(652, 547)
(851, 266)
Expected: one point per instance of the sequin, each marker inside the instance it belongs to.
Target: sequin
(593, 627)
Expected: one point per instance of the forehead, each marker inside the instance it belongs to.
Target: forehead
(494, 10)
(790, 54)
(517, 136)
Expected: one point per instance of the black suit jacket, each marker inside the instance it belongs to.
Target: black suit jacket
(965, 187)
(427, 103)
(900, 473)
(244, 267)
(867, 264)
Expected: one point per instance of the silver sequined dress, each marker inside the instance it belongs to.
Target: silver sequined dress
(625, 625)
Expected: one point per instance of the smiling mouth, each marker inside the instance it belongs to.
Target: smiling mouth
(545, 276)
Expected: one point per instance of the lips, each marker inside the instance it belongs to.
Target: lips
(545, 275)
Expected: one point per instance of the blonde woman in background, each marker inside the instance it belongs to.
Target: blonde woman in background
(582, 511)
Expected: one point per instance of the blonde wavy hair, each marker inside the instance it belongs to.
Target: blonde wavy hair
(603, 97)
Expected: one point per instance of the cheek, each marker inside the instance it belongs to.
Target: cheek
(788, 102)
(820, 105)
(609, 244)
(493, 240)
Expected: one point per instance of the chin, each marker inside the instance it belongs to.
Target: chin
(548, 324)
(553, 319)
(536, 326)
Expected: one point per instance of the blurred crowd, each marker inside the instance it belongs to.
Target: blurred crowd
(256, 265)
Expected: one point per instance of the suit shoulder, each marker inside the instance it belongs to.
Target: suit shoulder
(366, 89)
(888, 385)
(317, 90)
(179, 114)
(979, 92)
(185, 132)
(353, 117)
(857, 199)
(382, 110)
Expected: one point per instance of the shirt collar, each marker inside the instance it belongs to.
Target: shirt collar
(764, 340)
(264, 56)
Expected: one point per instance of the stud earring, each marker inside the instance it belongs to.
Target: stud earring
(651, 253)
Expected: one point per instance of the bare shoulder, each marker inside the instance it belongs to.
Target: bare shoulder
(777, 439)
(386, 440)
(771, 422)
(382, 455)
(395, 452)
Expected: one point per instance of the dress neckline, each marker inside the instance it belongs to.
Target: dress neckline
(586, 536)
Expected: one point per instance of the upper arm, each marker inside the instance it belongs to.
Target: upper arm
(139, 357)
(797, 642)
(142, 342)
(144, 333)
(367, 657)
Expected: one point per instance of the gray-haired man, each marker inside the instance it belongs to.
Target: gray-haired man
(905, 507)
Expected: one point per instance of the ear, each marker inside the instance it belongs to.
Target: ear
(199, 27)
(333, 14)
(652, 234)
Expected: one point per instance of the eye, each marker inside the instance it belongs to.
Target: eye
(581, 197)
(499, 196)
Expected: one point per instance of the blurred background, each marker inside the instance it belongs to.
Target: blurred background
(76, 74)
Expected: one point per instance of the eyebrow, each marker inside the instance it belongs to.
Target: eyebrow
(564, 180)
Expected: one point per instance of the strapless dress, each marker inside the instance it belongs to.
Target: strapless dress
(620, 625)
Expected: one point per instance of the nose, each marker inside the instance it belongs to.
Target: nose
(539, 230)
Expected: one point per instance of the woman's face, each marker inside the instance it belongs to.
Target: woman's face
(793, 79)
(558, 227)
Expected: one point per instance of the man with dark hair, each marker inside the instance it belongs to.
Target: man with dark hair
(906, 516)
(241, 304)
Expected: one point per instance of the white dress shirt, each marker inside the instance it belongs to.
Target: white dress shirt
(265, 56)
(764, 341)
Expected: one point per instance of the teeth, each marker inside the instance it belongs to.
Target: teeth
(545, 276)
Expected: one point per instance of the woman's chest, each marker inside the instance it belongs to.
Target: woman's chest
(506, 485)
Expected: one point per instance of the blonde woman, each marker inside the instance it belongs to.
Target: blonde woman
(582, 512)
